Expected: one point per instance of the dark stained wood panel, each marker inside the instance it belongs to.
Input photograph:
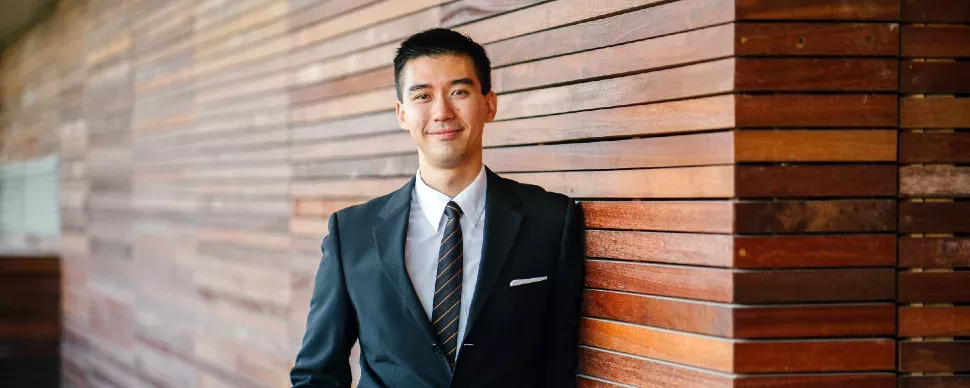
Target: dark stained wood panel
(674, 216)
(792, 145)
(936, 41)
(934, 382)
(815, 181)
(934, 252)
(940, 147)
(664, 280)
(674, 314)
(801, 111)
(815, 216)
(813, 39)
(936, 11)
(816, 75)
(815, 356)
(644, 372)
(934, 356)
(934, 181)
(841, 380)
(934, 287)
(828, 285)
(673, 248)
(818, 9)
(946, 217)
(934, 321)
(815, 251)
(934, 112)
(815, 321)
(934, 77)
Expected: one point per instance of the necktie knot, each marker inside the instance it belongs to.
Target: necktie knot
(452, 210)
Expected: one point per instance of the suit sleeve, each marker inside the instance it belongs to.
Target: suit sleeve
(331, 327)
(568, 279)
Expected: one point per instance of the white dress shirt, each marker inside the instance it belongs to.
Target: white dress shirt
(425, 230)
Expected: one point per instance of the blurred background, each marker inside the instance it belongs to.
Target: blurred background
(775, 189)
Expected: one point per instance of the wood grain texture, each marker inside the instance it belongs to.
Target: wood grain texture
(951, 217)
(816, 111)
(818, 10)
(934, 181)
(934, 77)
(930, 321)
(665, 345)
(936, 11)
(815, 75)
(815, 216)
(934, 112)
(664, 280)
(592, 382)
(815, 356)
(815, 321)
(675, 216)
(667, 313)
(815, 251)
(934, 356)
(935, 41)
(946, 147)
(934, 287)
(672, 248)
(680, 182)
(815, 145)
(815, 181)
(828, 285)
(644, 372)
(934, 382)
(812, 39)
(934, 252)
(364, 82)
(862, 380)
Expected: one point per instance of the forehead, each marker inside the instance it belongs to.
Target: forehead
(438, 70)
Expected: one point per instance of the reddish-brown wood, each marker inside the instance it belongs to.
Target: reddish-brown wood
(815, 321)
(815, 75)
(930, 321)
(815, 216)
(665, 280)
(934, 77)
(680, 182)
(934, 181)
(946, 217)
(816, 111)
(674, 314)
(674, 216)
(644, 372)
(828, 285)
(934, 112)
(815, 181)
(792, 145)
(810, 39)
(935, 41)
(866, 380)
(590, 382)
(946, 147)
(934, 252)
(936, 11)
(815, 356)
(934, 287)
(934, 356)
(818, 9)
(665, 345)
(815, 251)
(934, 382)
(364, 82)
(673, 248)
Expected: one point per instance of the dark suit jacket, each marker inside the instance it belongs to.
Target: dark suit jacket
(521, 336)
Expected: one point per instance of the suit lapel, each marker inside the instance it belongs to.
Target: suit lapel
(502, 223)
(390, 235)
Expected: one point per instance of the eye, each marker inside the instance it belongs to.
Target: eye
(460, 92)
(421, 97)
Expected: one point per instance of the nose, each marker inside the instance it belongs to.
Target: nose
(442, 110)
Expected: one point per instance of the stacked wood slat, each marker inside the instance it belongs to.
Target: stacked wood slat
(934, 214)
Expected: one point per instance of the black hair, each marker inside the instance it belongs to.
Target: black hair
(442, 41)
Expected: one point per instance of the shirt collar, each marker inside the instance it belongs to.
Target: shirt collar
(433, 202)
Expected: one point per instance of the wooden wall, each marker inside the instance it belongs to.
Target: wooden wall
(773, 187)
(30, 320)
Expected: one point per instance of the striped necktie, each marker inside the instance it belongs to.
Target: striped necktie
(447, 284)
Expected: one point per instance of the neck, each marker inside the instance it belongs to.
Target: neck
(451, 180)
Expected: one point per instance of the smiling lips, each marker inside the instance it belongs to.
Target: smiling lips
(446, 134)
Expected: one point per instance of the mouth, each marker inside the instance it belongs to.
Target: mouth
(446, 134)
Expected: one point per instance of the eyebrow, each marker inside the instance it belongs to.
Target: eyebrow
(460, 81)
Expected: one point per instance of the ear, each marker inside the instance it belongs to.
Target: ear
(402, 117)
(492, 101)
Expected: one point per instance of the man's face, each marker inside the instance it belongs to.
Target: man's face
(443, 108)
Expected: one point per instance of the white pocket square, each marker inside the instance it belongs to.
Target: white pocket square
(519, 282)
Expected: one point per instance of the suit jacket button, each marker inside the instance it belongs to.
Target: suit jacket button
(434, 347)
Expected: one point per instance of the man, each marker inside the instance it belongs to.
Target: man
(461, 278)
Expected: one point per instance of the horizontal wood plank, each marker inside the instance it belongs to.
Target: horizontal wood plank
(822, 285)
(938, 147)
(643, 372)
(947, 217)
(934, 356)
(664, 280)
(815, 251)
(934, 382)
(795, 111)
(815, 145)
(816, 75)
(932, 321)
(934, 112)
(675, 216)
(813, 39)
(934, 77)
(936, 11)
(815, 321)
(841, 380)
(934, 181)
(815, 181)
(815, 216)
(934, 287)
(934, 252)
(679, 182)
(935, 41)
(665, 345)
(674, 314)
(673, 248)
(818, 10)
(815, 356)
